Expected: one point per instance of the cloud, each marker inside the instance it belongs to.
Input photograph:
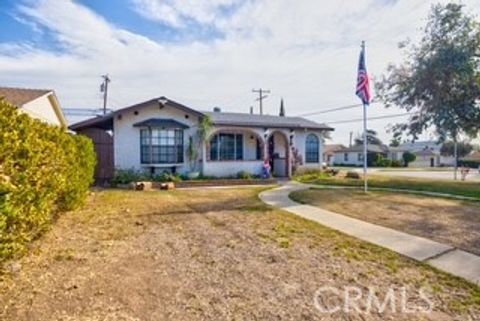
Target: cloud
(178, 13)
(302, 51)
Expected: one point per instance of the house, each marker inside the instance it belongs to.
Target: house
(155, 135)
(426, 158)
(329, 151)
(38, 103)
(472, 160)
(428, 154)
(395, 153)
(353, 156)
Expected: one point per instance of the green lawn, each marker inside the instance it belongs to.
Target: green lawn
(470, 189)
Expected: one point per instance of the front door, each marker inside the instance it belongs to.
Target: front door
(277, 155)
(271, 149)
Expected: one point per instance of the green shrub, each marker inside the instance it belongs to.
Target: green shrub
(381, 161)
(126, 176)
(244, 175)
(471, 164)
(167, 177)
(43, 170)
(396, 163)
(351, 174)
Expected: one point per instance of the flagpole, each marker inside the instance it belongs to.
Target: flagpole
(365, 152)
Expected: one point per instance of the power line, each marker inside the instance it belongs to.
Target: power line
(261, 97)
(371, 118)
(329, 110)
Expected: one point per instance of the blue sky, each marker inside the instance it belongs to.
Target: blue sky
(207, 53)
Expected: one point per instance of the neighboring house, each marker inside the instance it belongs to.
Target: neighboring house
(154, 136)
(353, 156)
(395, 153)
(38, 103)
(421, 145)
(426, 158)
(472, 160)
(329, 151)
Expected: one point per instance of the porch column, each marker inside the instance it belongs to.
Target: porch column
(265, 145)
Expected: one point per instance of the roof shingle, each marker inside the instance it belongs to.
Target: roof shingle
(21, 96)
(255, 120)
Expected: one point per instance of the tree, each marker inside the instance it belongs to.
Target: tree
(463, 149)
(395, 142)
(439, 82)
(195, 143)
(372, 138)
(282, 109)
(408, 157)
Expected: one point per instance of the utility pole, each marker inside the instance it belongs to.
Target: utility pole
(261, 97)
(104, 90)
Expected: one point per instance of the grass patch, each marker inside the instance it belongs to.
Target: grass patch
(448, 221)
(470, 189)
(189, 248)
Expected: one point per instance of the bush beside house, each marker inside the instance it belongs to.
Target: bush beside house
(43, 171)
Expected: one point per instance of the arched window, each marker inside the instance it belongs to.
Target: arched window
(312, 148)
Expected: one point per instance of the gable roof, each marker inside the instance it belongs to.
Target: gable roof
(475, 156)
(426, 152)
(421, 145)
(21, 96)
(106, 121)
(255, 120)
(218, 118)
(370, 148)
(331, 148)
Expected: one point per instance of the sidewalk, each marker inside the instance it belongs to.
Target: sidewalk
(441, 256)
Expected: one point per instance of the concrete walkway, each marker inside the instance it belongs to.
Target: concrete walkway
(441, 256)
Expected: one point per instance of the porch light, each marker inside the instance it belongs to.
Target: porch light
(162, 101)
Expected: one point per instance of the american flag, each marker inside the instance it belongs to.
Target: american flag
(363, 83)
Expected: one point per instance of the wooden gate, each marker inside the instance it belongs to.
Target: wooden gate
(103, 143)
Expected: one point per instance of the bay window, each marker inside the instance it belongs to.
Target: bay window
(161, 146)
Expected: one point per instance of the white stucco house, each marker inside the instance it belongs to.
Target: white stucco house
(154, 136)
(353, 156)
(41, 104)
(428, 154)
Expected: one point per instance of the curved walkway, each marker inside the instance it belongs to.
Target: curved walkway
(441, 256)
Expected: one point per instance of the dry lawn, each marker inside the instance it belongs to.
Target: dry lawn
(206, 255)
(444, 220)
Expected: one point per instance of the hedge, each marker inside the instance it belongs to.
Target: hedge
(44, 170)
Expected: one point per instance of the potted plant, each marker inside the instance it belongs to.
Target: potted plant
(195, 146)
